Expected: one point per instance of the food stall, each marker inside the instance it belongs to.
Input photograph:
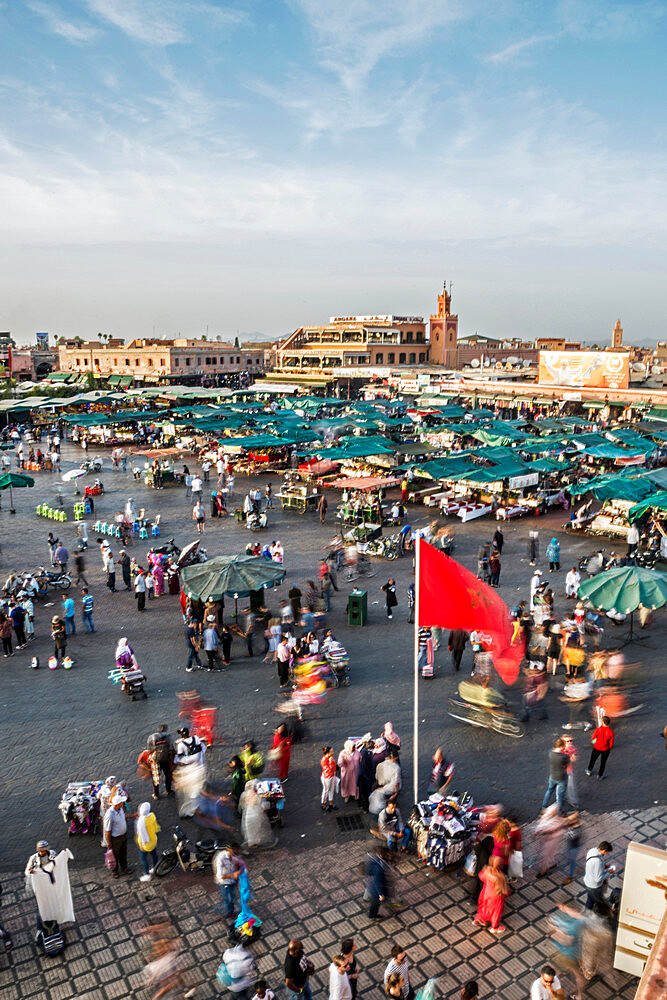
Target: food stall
(612, 520)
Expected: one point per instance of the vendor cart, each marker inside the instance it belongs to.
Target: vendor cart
(298, 498)
(80, 808)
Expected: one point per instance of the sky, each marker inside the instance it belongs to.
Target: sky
(179, 167)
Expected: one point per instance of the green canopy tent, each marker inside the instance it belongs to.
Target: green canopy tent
(230, 576)
(624, 589)
(14, 480)
(613, 488)
(656, 502)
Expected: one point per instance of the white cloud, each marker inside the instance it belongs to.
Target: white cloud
(76, 33)
(161, 23)
(354, 36)
(510, 53)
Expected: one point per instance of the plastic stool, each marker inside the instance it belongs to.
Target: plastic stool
(155, 529)
(143, 533)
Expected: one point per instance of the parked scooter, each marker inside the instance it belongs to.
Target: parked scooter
(91, 464)
(182, 853)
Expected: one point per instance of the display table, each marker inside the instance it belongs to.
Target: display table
(470, 511)
(511, 511)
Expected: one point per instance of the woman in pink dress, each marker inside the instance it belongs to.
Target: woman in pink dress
(492, 897)
(349, 760)
(158, 572)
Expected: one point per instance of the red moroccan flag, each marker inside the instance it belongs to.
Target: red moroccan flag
(451, 597)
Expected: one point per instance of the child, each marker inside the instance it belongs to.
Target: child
(573, 837)
(262, 992)
(150, 585)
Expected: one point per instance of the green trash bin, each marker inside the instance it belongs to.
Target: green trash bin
(357, 607)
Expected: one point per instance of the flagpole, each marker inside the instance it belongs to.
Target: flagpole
(415, 699)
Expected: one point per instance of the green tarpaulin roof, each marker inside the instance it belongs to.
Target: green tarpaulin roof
(445, 468)
(657, 502)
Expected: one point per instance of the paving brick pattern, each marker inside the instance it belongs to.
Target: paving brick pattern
(317, 897)
(63, 726)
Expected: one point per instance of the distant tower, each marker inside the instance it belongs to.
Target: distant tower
(617, 336)
(444, 332)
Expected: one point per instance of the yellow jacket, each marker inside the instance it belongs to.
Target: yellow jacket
(152, 829)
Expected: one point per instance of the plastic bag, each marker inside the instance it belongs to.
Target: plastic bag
(110, 860)
(515, 867)
(222, 975)
(470, 864)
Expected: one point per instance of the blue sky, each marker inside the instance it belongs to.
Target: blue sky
(183, 164)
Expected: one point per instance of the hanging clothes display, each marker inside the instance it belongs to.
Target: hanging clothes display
(444, 828)
(50, 883)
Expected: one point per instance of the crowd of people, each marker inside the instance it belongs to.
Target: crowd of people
(295, 637)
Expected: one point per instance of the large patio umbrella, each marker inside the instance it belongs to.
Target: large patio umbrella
(622, 590)
(14, 479)
(230, 576)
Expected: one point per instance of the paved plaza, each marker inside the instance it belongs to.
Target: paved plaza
(61, 726)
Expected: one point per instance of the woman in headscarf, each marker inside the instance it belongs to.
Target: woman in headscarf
(553, 554)
(349, 760)
(125, 658)
(255, 827)
(492, 897)
(146, 829)
(156, 562)
(104, 797)
(173, 581)
(392, 739)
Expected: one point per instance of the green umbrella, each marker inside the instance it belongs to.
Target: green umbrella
(231, 576)
(11, 479)
(622, 590)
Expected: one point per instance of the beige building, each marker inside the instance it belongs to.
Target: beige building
(351, 341)
(156, 359)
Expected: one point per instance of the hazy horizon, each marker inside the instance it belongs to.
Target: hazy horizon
(173, 165)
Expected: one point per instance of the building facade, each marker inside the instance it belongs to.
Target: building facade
(351, 341)
(156, 360)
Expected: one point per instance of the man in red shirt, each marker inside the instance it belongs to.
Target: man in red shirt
(603, 742)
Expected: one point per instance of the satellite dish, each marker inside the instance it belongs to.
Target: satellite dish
(637, 366)
(475, 362)
(492, 361)
(512, 360)
(656, 369)
(526, 364)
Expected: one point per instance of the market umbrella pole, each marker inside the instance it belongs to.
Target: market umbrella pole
(415, 698)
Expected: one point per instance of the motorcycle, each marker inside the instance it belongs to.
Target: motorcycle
(597, 562)
(92, 464)
(183, 854)
(647, 559)
(45, 579)
(386, 547)
(471, 707)
(187, 556)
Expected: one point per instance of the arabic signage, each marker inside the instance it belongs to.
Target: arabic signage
(643, 903)
(585, 369)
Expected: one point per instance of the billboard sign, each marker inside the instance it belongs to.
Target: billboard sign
(585, 369)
